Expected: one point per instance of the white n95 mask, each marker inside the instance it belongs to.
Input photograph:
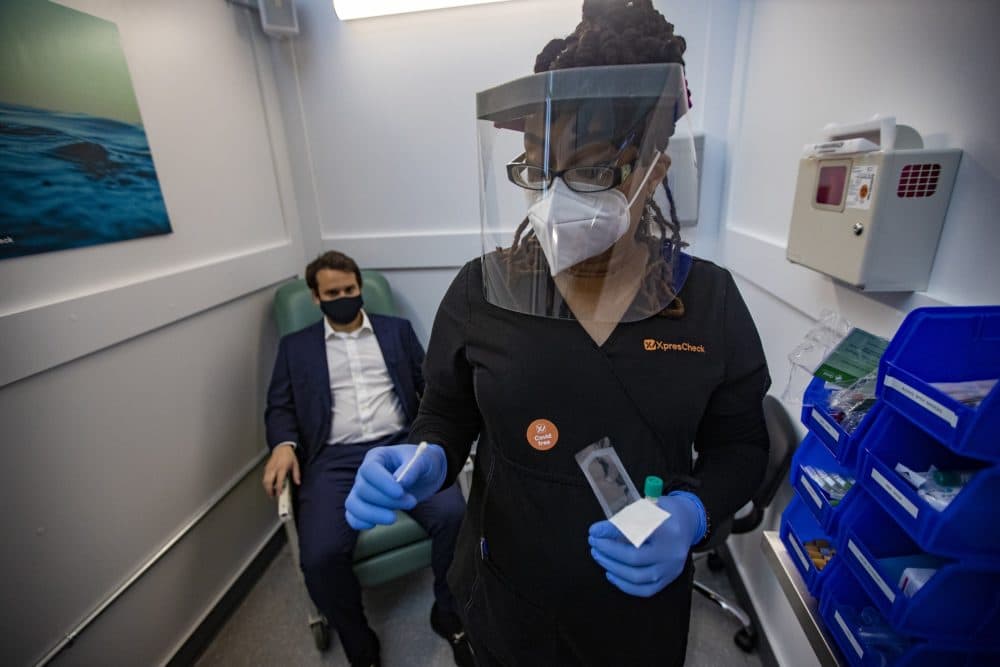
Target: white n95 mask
(573, 226)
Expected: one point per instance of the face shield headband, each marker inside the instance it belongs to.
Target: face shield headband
(564, 158)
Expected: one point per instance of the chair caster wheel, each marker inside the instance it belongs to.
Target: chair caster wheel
(715, 562)
(321, 634)
(746, 639)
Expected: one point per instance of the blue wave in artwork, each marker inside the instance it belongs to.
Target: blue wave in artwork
(72, 180)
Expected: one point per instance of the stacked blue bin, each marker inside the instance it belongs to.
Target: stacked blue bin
(812, 516)
(885, 525)
(865, 638)
(843, 445)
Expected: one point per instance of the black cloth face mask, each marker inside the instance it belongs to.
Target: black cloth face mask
(343, 310)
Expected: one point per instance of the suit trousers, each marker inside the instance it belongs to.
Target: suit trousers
(326, 541)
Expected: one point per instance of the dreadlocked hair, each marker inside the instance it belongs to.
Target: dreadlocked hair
(615, 32)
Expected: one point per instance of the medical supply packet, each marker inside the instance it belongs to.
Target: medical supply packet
(634, 516)
(607, 476)
(810, 353)
(854, 357)
(970, 392)
(638, 520)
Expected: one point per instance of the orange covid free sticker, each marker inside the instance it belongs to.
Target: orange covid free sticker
(542, 435)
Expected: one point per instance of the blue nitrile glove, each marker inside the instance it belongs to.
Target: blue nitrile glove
(376, 495)
(647, 570)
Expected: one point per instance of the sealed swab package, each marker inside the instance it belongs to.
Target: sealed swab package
(607, 476)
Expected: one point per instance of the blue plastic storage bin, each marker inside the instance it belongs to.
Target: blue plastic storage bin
(946, 345)
(841, 605)
(799, 526)
(959, 605)
(812, 452)
(969, 528)
(844, 446)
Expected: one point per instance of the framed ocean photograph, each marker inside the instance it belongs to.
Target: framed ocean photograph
(75, 165)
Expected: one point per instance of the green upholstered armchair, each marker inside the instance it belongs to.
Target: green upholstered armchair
(384, 552)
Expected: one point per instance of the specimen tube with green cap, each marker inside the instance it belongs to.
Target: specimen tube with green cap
(653, 489)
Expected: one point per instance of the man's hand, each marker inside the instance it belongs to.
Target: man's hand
(282, 460)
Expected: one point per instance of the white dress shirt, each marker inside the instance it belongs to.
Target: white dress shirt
(365, 405)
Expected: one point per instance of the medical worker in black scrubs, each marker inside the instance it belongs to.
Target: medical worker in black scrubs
(587, 322)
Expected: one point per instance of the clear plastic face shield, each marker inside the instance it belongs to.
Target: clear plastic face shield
(569, 163)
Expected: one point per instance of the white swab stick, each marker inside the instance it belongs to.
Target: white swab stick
(421, 448)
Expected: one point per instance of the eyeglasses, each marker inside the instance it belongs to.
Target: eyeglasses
(591, 178)
(588, 178)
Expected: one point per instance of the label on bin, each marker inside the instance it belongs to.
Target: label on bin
(872, 572)
(896, 494)
(812, 493)
(825, 425)
(798, 552)
(847, 633)
(926, 402)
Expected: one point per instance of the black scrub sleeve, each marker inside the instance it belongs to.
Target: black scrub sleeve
(449, 415)
(732, 440)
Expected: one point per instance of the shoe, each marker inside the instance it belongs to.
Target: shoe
(371, 657)
(448, 625)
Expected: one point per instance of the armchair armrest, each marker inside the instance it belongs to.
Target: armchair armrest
(285, 502)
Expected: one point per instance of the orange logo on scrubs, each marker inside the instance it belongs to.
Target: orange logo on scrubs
(652, 345)
(542, 435)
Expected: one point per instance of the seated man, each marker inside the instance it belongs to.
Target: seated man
(340, 387)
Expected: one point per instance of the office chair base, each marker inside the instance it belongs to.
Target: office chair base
(321, 633)
(715, 562)
(746, 637)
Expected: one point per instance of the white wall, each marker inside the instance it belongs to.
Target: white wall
(805, 64)
(131, 387)
(380, 115)
(932, 64)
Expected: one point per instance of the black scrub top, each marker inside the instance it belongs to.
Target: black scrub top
(538, 390)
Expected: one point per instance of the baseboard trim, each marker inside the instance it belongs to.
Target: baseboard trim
(205, 632)
(767, 657)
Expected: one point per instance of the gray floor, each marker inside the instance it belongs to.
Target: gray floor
(270, 626)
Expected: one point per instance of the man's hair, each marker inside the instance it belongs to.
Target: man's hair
(336, 261)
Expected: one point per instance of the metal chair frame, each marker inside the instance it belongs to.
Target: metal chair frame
(783, 440)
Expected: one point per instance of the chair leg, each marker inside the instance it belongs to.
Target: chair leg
(726, 605)
(746, 637)
(712, 558)
(715, 562)
(321, 633)
(318, 624)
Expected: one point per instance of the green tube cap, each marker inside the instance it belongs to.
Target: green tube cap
(654, 487)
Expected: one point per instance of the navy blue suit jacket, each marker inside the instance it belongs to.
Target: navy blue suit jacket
(299, 401)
